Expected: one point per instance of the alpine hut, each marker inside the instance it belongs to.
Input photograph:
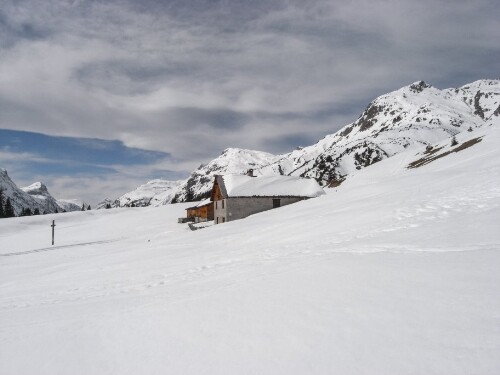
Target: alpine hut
(238, 196)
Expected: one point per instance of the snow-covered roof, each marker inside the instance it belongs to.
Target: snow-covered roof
(200, 204)
(268, 186)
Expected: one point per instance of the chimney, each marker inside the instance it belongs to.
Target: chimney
(250, 173)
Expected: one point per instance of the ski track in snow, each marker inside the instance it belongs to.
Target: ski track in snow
(55, 248)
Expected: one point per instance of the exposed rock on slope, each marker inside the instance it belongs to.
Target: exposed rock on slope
(411, 116)
(19, 199)
(41, 194)
(106, 203)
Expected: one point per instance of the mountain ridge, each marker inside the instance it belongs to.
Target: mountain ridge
(35, 197)
(414, 115)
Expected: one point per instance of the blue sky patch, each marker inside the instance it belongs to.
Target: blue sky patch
(30, 156)
(81, 151)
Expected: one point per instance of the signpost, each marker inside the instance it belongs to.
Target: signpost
(53, 227)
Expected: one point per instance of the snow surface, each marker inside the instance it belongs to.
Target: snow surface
(70, 204)
(270, 186)
(152, 193)
(394, 272)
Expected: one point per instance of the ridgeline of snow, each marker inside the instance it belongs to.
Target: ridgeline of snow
(393, 272)
(408, 118)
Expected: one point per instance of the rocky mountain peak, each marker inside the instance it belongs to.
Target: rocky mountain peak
(37, 188)
(418, 86)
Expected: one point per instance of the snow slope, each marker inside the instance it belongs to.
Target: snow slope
(410, 117)
(393, 272)
(153, 193)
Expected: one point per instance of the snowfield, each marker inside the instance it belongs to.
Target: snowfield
(394, 272)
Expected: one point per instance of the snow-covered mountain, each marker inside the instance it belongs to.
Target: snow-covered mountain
(410, 117)
(41, 194)
(197, 186)
(34, 197)
(232, 160)
(19, 199)
(106, 203)
(69, 205)
(152, 193)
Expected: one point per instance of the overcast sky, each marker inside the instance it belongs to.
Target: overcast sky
(179, 81)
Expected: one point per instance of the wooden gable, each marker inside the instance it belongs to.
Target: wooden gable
(216, 192)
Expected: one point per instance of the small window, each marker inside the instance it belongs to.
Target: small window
(223, 204)
(276, 203)
(223, 219)
(217, 221)
(215, 204)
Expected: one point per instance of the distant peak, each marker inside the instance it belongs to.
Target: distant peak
(37, 188)
(419, 86)
(232, 150)
(235, 150)
(36, 185)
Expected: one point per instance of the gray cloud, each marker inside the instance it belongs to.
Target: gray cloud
(221, 119)
(192, 77)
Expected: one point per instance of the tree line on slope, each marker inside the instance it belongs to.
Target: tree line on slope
(7, 210)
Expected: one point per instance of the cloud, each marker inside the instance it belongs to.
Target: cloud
(190, 78)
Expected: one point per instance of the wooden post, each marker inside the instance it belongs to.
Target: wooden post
(53, 227)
